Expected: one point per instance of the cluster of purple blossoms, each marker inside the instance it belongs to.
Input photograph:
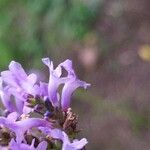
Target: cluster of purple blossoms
(37, 115)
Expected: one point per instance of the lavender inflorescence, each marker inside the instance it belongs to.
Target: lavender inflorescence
(36, 116)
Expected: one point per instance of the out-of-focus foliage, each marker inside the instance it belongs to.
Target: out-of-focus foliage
(31, 28)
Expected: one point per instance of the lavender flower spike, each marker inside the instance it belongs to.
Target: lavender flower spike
(72, 84)
(38, 115)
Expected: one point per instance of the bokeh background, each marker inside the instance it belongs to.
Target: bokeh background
(109, 43)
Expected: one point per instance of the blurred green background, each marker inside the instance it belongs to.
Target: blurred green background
(109, 43)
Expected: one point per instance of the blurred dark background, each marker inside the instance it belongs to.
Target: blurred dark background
(109, 43)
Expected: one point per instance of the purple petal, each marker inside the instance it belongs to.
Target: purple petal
(47, 62)
(13, 116)
(20, 127)
(3, 120)
(54, 81)
(32, 78)
(3, 147)
(19, 105)
(52, 90)
(56, 134)
(22, 146)
(33, 122)
(67, 64)
(79, 144)
(5, 97)
(17, 70)
(18, 146)
(16, 101)
(61, 135)
(6, 101)
(24, 125)
(68, 90)
(9, 79)
(75, 145)
(29, 85)
(27, 110)
(43, 89)
(16, 78)
(42, 146)
(71, 85)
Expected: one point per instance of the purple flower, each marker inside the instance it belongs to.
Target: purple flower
(20, 127)
(19, 82)
(67, 144)
(22, 146)
(18, 85)
(71, 85)
(75, 145)
(22, 95)
(9, 103)
(54, 81)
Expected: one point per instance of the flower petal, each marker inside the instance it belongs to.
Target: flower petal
(61, 135)
(67, 64)
(43, 89)
(71, 84)
(68, 90)
(17, 70)
(54, 81)
(13, 145)
(13, 116)
(79, 144)
(32, 78)
(9, 78)
(5, 97)
(42, 146)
